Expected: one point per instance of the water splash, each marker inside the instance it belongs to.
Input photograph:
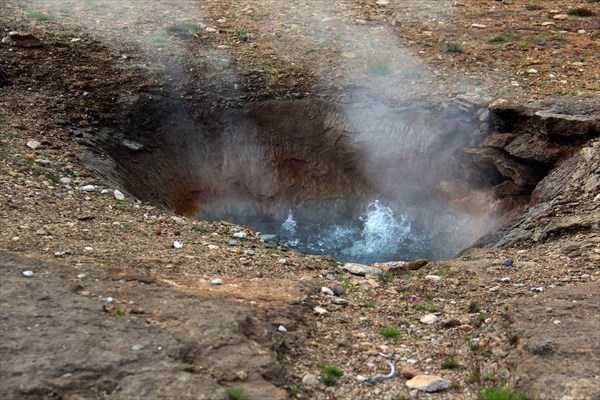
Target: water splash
(377, 235)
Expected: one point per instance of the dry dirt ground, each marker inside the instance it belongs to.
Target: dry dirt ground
(113, 310)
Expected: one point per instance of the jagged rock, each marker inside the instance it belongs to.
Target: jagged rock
(21, 39)
(520, 174)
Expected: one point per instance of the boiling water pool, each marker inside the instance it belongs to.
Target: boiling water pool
(377, 235)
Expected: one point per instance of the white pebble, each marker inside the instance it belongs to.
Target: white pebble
(88, 188)
(27, 273)
(433, 278)
(557, 322)
(217, 281)
(240, 235)
(177, 245)
(65, 181)
(136, 347)
(282, 261)
(33, 144)
(88, 249)
(119, 195)
(282, 328)
(59, 254)
(81, 276)
(213, 246)
(326, 290)
(109, 299)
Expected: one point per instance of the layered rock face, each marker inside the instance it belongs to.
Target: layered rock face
(540, 156)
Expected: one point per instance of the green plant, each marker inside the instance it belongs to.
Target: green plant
(343, 344)
(499, 38)
(52, 178)
(453, 47)
(65, 9)
(432, 308)
(473, 307)
(500, 393)
(455, 384)
(185, 29)
(201, 229)
(331, 373)
(479, 320)
(40, 16)
(275, 251)
(450, 363)
(369, 304)
(389, 332)
(380, 68)
(580, 12)
(119, 312)
(385, 277)
(293, 390)
(235, 393)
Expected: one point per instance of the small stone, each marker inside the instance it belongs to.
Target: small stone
(241, 375)
(119, 195)
(177, 244)
(282, 328)
(382, 2)
(330, 276)
(217, 281)
(560, 17)
(310, 381)
(88, 188)
(81, 276)
(412, 361)
(249, 252)
(428, 383)
(240, 235)
(213, 246)
(414, 393)
(508, 262)
(232, 242)
(59, 254)
(109, 299)
(326, 290)
(433, 278)
(494, 289)
(338, 290)
(27, 273)
(548, 23)
(361, 378)
(339, 301)
(532, 71)
(429, 319)
(557, 322)
(137, 347)
(33, 144)
(65, 181)
(479, 26)
(88, 249)
(283, 261)
(549, 309)
(505, 280)
(320, 310)
(268, 238)
(131, 145)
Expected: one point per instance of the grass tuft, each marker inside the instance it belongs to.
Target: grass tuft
(453, 47)
(390, 332)
(235, 393)
(450, 363)
(40, 16)
(500, 393)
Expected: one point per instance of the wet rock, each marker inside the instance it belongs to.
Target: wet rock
(338, 290)
(22, 39)
(360, 269)
(428, 383)
(269, 238)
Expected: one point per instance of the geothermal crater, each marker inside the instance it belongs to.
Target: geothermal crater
(360, 182)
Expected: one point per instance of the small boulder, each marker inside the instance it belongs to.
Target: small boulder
(428, 383)
(360, 269)
(429, 319)
(21, 39)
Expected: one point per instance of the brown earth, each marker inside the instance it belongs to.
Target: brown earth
(114, 311)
